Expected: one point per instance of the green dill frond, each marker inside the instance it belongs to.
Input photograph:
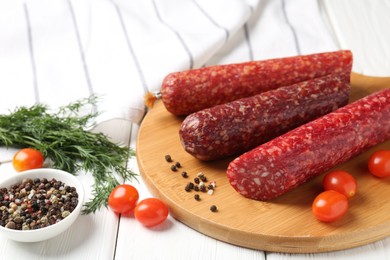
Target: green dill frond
(62, 138)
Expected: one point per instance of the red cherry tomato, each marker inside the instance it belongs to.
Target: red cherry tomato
(123, 198)
(150, 212)
(27, 159)
(340, 181)
(379, 163)
(330, 206)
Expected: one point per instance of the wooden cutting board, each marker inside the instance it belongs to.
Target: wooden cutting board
(285, 224)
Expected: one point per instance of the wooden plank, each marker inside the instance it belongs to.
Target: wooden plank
(285, 224)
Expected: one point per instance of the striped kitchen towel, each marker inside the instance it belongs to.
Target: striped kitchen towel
(55, 52)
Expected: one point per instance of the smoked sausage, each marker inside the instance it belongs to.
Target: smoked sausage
(238, 126)
(185, 92)
(293, 158)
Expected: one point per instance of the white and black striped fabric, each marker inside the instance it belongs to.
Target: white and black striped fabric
(58, 51)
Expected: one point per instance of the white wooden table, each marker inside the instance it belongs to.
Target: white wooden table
(361, 26)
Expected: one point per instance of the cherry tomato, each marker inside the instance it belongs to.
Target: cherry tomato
(150, 212)
(379, 163)
(340, 181)
(27, 159)
(330, 206)
(123, 198)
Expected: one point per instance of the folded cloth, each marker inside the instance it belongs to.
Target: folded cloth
(56, 52)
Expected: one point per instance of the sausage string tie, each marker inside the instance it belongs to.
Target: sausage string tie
(151, 97)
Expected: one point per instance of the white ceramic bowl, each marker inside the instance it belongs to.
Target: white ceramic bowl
(52, 230)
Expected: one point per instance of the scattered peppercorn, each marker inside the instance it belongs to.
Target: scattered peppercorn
(199, 185)
(189, 186)
(196, 180)
(213, 208)
(34, 204)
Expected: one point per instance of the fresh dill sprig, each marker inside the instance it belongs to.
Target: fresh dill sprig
(63, 138)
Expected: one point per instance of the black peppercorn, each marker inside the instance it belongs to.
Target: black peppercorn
(57, 185)
(28, 187)
(184, 174)
(177, 164)
(168, 158)
(213, 208)
(173, 168)
(197, 197)
(44, 210)
(35, 206)
(189, 186)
